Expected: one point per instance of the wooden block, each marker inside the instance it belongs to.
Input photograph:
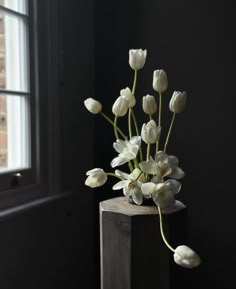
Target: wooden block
(133, 255)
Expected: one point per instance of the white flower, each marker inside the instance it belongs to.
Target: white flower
(131, 184)
(137, 58)
(178, 101)
(96, 178)
(127, 94)
(127, 150)
(162, 166)
(150, 132)
(120, 106)
(160, 81)
(93, 105)
(162, 193)
(149, 104)
(186, 257)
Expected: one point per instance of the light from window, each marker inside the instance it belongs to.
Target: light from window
(14, 86)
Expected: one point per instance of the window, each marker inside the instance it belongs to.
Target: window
(15, 94)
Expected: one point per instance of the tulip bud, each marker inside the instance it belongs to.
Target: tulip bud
(160, 81)
(127, 94)
(137, 58)
(186, 257)
(120, 106)
(149, 104)
(178, 102)
(96, 178)
(93, 105)
(150, 132)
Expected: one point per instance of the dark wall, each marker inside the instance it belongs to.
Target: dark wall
(193, 42)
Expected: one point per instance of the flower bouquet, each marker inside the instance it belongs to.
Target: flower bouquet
(152, 174)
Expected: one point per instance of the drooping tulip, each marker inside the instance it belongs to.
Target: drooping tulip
(96, 178)
(93, 105)
(186, 257)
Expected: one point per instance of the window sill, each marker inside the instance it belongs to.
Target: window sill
(10, 208)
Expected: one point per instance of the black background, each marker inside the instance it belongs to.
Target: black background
(193, 42)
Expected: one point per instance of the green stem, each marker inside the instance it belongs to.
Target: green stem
(115, 127)
(162, 233)
(160, 109)
(129, 123)
(169, 131)
(148, 152)
(135, 81)
(137, 133)
(136, 163)
(114, 175)
(112, 123)
(131, 168)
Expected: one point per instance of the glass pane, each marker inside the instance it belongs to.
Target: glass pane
(13, 53)
(14, 133)
(16, 5)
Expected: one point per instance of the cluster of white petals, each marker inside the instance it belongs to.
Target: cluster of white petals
(127, 150)
(154, 176)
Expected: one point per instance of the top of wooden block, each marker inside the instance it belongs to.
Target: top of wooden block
(122, 206)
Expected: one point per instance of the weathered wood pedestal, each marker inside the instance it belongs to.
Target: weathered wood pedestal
(133, 255)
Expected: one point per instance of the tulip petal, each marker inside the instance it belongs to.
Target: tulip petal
(173, 185)
(135, 140)
(177, 173)
(118, 161)
(93, 171)
(137, 197)
(148, 188)
(122, 174)
(160, 156)
(175, 208)
(149, 167)
(173, 161)
(119, 145)
(119, 185)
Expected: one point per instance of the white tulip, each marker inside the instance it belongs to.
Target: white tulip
(150, 132)
(93, 105)
(162, 166)
(131, 184)
(186, 257)
(178, 102)
(127, 94)
(160, 81)
(120, 106)
(162, 193)
(96, 178)
(137, 58)
(149, 104)
(127, 150)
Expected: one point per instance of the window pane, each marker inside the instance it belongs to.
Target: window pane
(13, 53)
(14, 133)
(16, 5)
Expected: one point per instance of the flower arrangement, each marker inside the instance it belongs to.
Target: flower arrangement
(155, 177)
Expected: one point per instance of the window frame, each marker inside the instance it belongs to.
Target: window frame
(43, 178)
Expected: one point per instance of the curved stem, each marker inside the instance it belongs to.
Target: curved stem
(114, 175)
(169, 131)
(162, 233)
(160, 109)
(137, 133)
(112, 123)
(115, 127)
